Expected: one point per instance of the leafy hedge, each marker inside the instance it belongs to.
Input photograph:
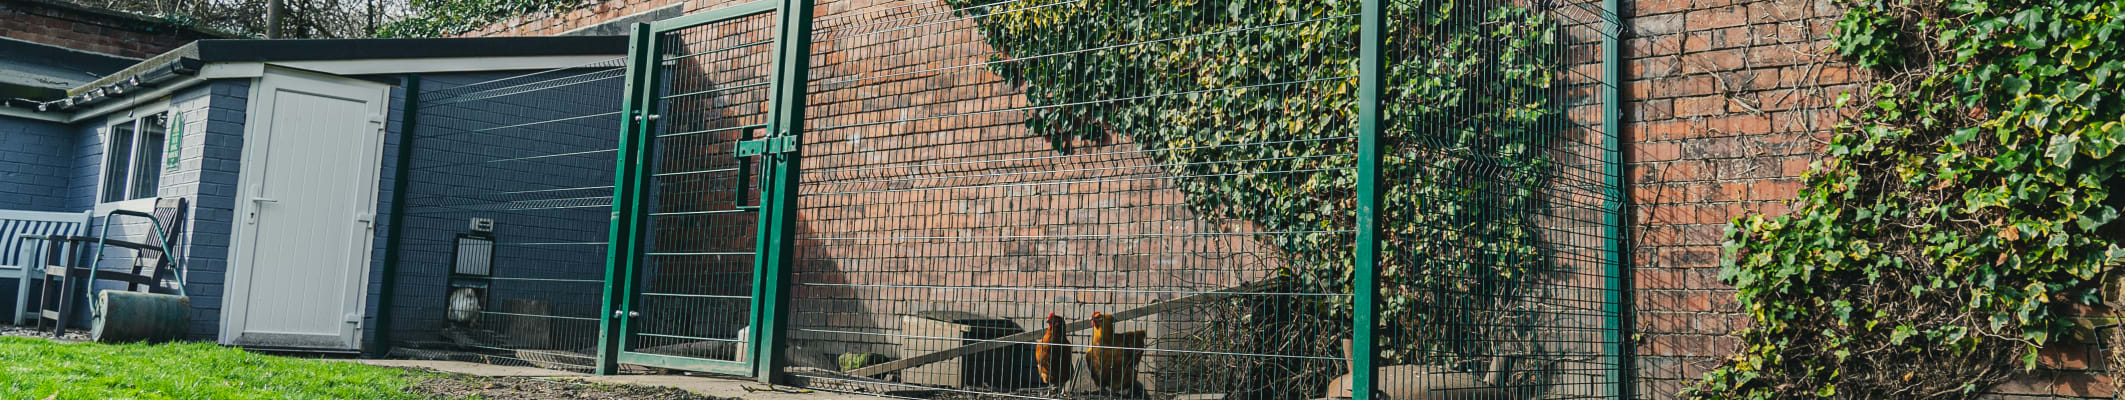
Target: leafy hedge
(1961, 209)
(443, 18)
(1253, 103)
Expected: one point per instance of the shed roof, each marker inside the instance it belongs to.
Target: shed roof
(42, 71)
(363, 56)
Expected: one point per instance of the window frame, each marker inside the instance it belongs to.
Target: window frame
(135, 119)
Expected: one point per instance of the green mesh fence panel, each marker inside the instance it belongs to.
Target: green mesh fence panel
(533, 153)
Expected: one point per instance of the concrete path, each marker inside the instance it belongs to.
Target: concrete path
(719, 387)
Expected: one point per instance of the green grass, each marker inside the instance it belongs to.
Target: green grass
(39, 369)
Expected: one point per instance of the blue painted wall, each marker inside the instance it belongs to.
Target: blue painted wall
(212, 143)
(207, 176)
(35, 164)
(549, 243)
(453, 181)
(87, 165)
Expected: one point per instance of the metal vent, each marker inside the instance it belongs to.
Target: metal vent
(475, 256)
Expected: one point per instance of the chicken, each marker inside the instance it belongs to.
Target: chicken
(1113, 363)
(1053, 354)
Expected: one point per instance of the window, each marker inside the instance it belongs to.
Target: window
(132, 168)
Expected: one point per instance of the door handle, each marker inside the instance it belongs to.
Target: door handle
(256, 203)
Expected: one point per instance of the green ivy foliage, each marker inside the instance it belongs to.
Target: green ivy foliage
(1957, 212)
(443, 18)
(1253, 104)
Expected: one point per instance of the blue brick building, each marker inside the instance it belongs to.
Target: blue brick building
(287, 152)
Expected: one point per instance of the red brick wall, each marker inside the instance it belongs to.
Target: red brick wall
(924, 191)
(1722, 101)
(1727, 103)
(100, 31)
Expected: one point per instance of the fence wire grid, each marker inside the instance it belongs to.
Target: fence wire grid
(701, 209)
(529, 155)
(1057, 199)
(1188, 170)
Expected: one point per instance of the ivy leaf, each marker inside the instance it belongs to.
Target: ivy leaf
(1902, 333)
(2089, 221)
(2014, 87)
(2062, 150)
(1962, 135)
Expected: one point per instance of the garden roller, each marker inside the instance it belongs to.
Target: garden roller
(152, 308)
(140, 317)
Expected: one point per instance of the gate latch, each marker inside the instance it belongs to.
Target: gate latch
(773, 145)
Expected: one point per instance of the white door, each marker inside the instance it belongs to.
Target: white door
(305, 212)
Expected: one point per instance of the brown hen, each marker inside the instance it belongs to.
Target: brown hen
(1053, 354)
(1113, 363)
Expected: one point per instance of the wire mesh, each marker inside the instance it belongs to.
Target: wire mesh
(1496, 198)
(972, 167)
(694, 286)
(533, 155)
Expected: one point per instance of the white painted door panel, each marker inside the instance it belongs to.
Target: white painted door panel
(300, 266)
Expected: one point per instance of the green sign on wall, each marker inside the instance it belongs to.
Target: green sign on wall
(173, 149)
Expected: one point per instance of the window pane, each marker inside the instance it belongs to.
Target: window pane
(120, 147)
(147, 170)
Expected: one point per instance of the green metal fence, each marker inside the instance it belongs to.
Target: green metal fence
(1204, 199)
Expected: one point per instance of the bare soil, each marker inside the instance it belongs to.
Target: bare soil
(464, 387)
(72, 335)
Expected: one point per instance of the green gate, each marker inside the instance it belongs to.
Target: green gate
(705, 153)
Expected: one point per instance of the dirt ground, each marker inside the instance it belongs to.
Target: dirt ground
(458, 386)
(77, 335)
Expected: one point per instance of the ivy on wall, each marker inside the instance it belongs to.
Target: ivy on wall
(1252, 104)
(1960, 211)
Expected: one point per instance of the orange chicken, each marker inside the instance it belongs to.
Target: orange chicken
(1053, 354)
(1113, 362)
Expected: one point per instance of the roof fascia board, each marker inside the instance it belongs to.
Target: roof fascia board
(443, 65)
(13, 112)
(206, 73)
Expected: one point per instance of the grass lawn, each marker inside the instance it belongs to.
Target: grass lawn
(32, 368)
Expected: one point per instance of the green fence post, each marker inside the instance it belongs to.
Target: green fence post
(1364, 353)
(408, 117)
(1617, 302)
(627, 171)
(779, 219)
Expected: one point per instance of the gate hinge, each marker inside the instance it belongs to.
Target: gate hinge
(773, 145)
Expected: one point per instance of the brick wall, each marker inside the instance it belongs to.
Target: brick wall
(95, 30)
(206, 175)
(211, 137)
(1727, 103)
(34, 177)
(1722, 101)
(925, 192)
